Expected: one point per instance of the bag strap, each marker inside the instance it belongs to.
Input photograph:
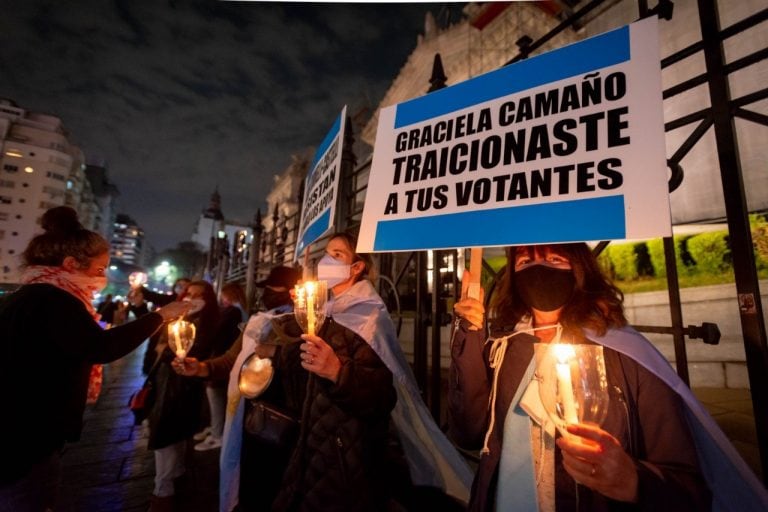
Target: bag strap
(152, 368)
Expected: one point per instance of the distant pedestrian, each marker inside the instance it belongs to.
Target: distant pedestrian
(231, 316)
(107, 309)
(46, 363)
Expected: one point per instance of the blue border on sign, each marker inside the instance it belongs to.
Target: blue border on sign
(599, 218)
(323, 147)
(594, 53)
(315, 230)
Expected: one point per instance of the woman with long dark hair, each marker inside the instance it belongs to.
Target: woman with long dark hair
(50, 339)
(175, 417)
(657, 448)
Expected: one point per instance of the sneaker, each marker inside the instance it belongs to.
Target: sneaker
(209, 443)
(200, 436)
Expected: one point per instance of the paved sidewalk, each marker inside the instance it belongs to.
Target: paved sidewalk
(111, 470)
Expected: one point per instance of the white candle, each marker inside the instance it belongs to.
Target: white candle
(564, 353)
(311, 307)
(180, 352)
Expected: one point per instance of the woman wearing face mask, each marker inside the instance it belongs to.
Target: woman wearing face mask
(175, 416)
(47, 363)
(359, 380)
(644, 456)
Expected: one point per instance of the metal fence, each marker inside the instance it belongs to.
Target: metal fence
(422, 285)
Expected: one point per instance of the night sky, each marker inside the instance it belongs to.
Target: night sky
(177, 97)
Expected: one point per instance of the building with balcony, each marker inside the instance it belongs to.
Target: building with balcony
(127, 241)
(39, 169)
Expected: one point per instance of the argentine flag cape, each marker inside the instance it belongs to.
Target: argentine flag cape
(733, 484)
(432, 459)
(257, 329)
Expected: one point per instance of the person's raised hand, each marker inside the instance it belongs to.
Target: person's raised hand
(468, 308)
(594, 458)
(174, 310)
(319, 358)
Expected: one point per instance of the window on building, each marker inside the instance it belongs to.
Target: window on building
(10, 168)
(5, 200)
(3, 216)
(7, 184)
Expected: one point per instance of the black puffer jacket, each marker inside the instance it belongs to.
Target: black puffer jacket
(338, 463)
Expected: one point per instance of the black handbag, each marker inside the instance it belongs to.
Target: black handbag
(270, 424)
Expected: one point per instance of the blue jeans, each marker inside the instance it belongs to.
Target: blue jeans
(35, 492)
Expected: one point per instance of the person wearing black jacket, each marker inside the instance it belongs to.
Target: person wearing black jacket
(641, 457)
(46, 364)
(175, 416)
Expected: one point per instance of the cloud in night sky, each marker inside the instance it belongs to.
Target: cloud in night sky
(178, 97)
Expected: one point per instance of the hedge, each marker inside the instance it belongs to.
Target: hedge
(710, 251)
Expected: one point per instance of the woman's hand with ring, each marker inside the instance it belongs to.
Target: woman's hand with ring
(595, 458)
(319, 358)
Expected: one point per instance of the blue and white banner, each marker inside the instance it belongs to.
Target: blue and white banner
(321, 187)
(565, 146)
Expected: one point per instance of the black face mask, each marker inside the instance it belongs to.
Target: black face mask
(271, 299)
(543, 287)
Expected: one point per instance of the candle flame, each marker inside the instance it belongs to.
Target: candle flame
(563, 352)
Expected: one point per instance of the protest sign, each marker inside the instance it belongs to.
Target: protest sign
(565, 146)
(321, 187)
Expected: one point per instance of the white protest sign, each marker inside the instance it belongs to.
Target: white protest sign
(565, 146)
(321, 187)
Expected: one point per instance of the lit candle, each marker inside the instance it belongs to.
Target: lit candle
(564, 354)
(180, 352)
(311, 307)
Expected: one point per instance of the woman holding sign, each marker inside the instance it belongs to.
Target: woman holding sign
(656, 449)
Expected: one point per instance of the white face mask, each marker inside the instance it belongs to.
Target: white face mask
(332, 271)
(197, 305)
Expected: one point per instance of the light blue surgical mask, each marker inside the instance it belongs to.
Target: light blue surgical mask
(332, 271)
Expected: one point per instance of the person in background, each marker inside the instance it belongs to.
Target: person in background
(231, 316)
(251, 469)
(47, 363)
(106, 309)
(656, 450)
(175, 416)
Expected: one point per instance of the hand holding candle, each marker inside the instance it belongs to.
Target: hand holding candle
(572, 384)
(309, 305)
(181, 337)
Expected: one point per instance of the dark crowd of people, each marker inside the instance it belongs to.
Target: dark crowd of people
(334, 420)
